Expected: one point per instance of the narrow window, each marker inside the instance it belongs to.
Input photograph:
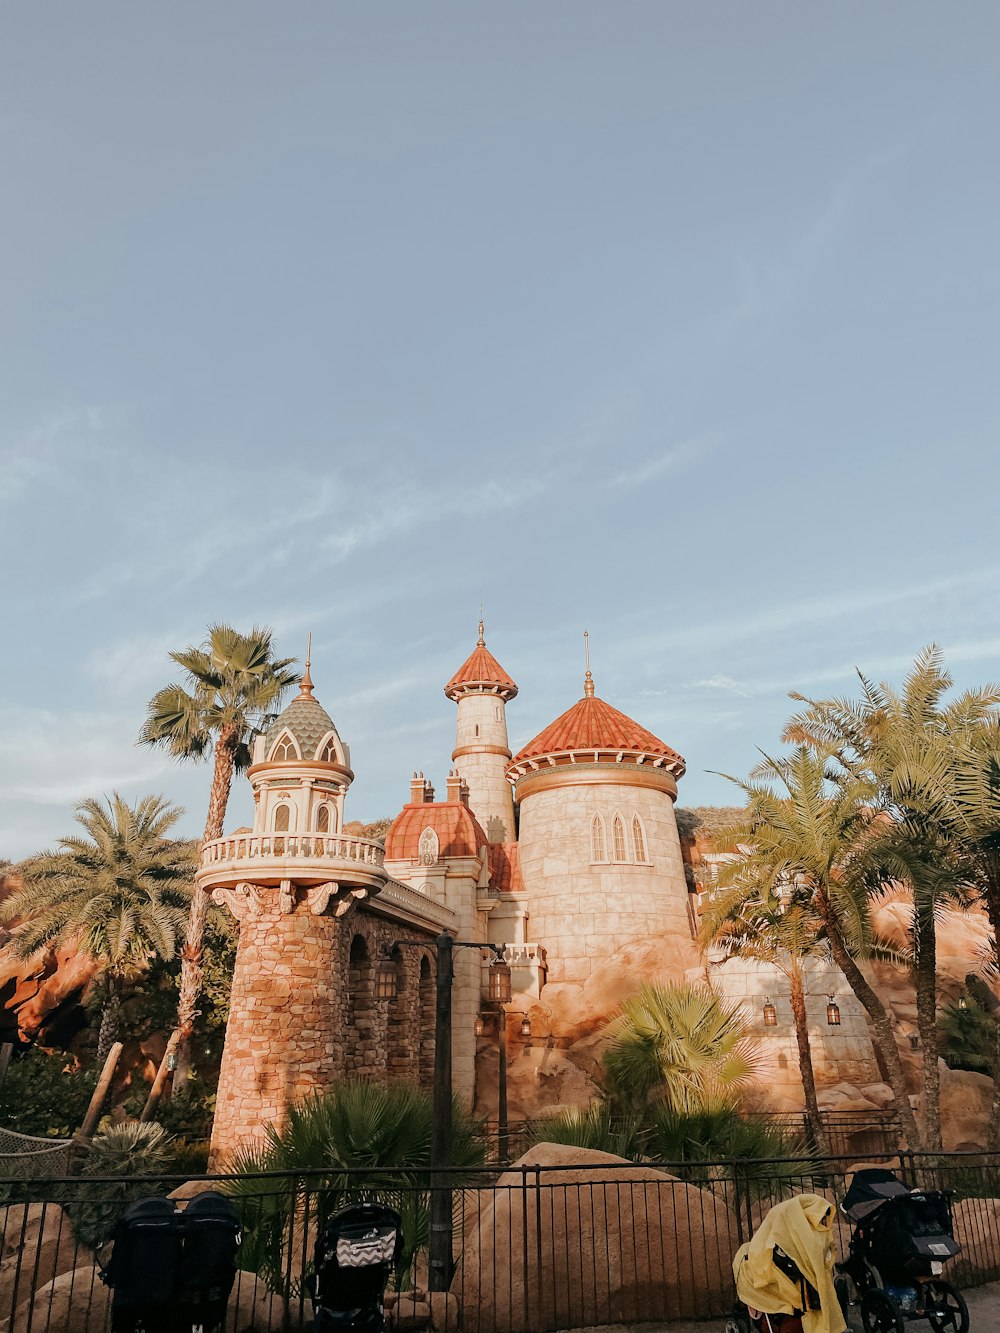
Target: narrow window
(477, 728)
(621, 853)
(598, 852)
(638, 840)
(281, 815)
(323, 819)
(329, 755)
(498, 714)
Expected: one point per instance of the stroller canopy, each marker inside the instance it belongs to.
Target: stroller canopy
(869, 1190)
(800, 1228)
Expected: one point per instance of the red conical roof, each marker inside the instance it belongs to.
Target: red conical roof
(480, 670)
(592, 727)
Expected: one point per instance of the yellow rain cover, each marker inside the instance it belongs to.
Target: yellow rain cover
(802, 1227)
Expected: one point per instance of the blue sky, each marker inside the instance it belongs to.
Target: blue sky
(671, 320)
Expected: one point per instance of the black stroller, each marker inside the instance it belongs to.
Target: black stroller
(901, 1242)
(355, 1254)
(172, 1270)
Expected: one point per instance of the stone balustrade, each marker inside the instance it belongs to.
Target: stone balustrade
(292, 846)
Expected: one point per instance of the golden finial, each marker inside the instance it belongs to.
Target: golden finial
(588, 680)
(481, 641)
(306, 684)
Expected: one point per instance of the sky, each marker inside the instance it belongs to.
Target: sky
(675, 322)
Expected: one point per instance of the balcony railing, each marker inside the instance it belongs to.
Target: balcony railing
(293, 846)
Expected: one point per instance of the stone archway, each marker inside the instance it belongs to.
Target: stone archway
(425, 1028)
(359, 1044)
(400, 1054)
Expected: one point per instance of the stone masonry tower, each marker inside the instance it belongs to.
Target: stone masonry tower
(482, 689)
(287, 881)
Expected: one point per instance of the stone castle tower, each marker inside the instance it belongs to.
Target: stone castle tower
(287, 881)
(482, 689)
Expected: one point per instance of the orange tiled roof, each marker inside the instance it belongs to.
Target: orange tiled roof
(592, 725)
(481, 668)
(459, 832)
(505, 868)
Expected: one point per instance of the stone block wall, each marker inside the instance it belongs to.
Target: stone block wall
(303, 1013)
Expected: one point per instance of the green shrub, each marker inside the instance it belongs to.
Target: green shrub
(140, 1159)
(771, 1162)
(966, 1037)
(338, 1135)
(598, 1128)
(44, 1095)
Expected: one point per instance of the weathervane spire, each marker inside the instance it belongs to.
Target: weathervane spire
(588, 680)
(306, 684)
(481, 641)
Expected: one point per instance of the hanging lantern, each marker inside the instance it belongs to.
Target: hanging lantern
(833, 1012)
(961, 1002)
(479, 1027)
(770, 1013)
(499, 982)
(526, 1027)
(385, 980)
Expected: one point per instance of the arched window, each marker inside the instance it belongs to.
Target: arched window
(598, 845)
(328, 755)
(284, 749)
(428, 847)
(323, 819)
(639, 840)
(618, 837)
(282, 814)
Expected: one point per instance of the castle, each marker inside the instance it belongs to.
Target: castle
(567, 853)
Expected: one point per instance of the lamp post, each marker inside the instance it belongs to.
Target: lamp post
(440, 1255)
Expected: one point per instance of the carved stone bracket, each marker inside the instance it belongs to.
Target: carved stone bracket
(245, 899)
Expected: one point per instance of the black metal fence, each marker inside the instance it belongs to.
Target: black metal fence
(536, 1247)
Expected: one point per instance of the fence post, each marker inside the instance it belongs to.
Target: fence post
(741, 1238)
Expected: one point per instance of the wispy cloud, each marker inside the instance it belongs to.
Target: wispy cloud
(34, 458)
(659, 463)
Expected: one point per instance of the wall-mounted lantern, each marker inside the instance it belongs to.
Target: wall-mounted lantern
(385, 980)
(526, 1027)
(499, 982)
(770, 1013)
(479, 1026)
(833, 1012)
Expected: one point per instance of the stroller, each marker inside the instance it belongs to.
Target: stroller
(901, 1242)
(784, 1274)
(171, 1271)
(356, 1252)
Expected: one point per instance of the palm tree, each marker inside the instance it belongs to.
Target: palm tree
(120, 894)
(337, 1136)
(232, 691)
(975, 789)
(681, 1044)
(780, 929)
(905, 743)
(815, 827)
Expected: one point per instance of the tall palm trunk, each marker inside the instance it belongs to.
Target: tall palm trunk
(111, 1019)
(192, 974)
(925, 983)
(178, 1047)
(991, 898)
(805, 1060)
(876, 1011)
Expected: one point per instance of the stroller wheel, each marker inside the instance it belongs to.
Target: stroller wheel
(945, 1307)
(738, 1323)
(879, 1313)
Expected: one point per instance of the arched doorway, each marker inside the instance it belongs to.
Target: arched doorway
(360, 1010)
